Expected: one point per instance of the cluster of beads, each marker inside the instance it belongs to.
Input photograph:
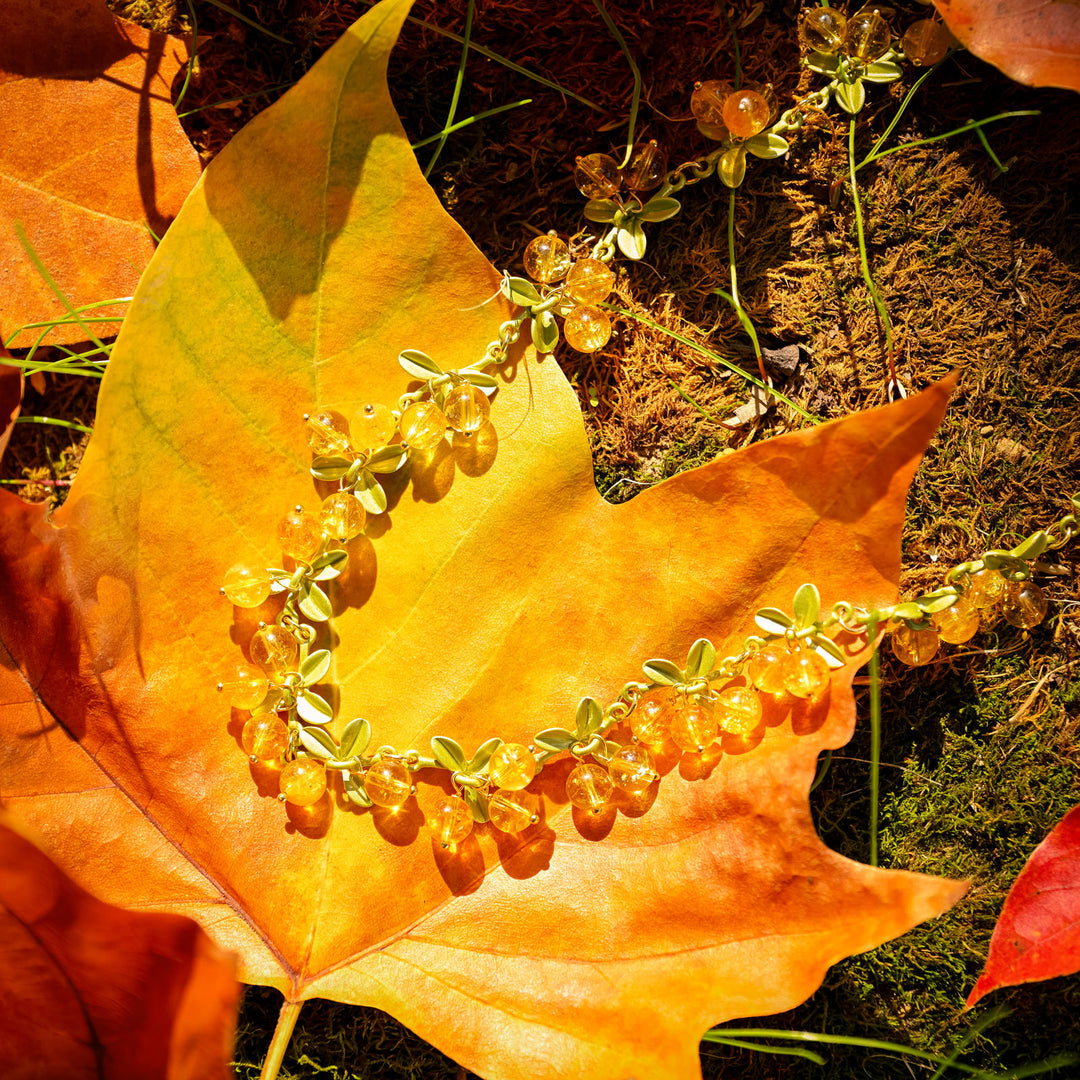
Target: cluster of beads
(732, 116)
(865, 36)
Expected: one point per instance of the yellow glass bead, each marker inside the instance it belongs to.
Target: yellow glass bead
(265, 737)
(373, 427)
(707, 103)
(328, 432)
(868, 36)
(451, 819)
(765, 670)
(806, 674)
(746, 112)
(823, 30)
(513, 811)
(302, 782)
(342, 516)
(914, 647)
(589, 281)
(738, 710)
(422, 425)
(649, 721)
(926, 42)
(986, 588)
(245, 686)
(731, 167)
(546, 259)
(1024, 604)
(512, 766)
(631, 768)
(590, 787)
(274, 649)
(692, 726)
(958, 623)
(299, 535)
(466, 408)
(388, 783)
(587, 328)
(596, 176)
(647, 168)
(246, 585)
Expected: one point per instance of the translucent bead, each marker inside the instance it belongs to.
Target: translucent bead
(245, 686)
(342, 515)
(422, 425)
(731, 167)
(547, 258)
(302, 781)
(451, 819)
(1024, 604)
(631, 768)
(986, 588)
(707, 102)
(589, 281)
(590, 787)
(738, 710)
(914, 647)
(388, 783)
(765, 670)
(647, 168)
(512, 766)
(597, 176)
(958, 623)
(466, 408)
(328, 432)
(806, 674)
(868, 36)
(299, 535)
(649, 721)
(246, 585)
(373, 427)
(926, 42)
(513, 811)
(823, 30)
(746, 112)
(265, 737)
(692, 726)
(587, 328)
(274, 649)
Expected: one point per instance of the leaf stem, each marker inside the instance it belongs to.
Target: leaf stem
(875, 734)
(279, 1043)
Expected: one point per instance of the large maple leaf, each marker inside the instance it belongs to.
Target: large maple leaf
(498, 590)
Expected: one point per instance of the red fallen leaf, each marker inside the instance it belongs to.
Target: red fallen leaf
(91, 154)
(1035, 42)
(90, 990)
(1038, 932)
(11, 392)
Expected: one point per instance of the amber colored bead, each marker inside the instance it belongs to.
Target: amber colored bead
(868, 36)
(738, 710)
(466, 408)
(546, 259)
(246, 585)
(631, 768)
(958, 623)
(597, 176)
(806, 674)
(647, 168)
(245, 687)
(1024, 604)
(302, 781)
(692, 726)
(342, 515)
(328, 432)
(373, 427)
(451, 820)
(274, 649)
(986, 588)
(299, 535)
(265, 737)
(388, 783)
(926, 42)
(589, 281)
(823, 30)
(707, 102)
(422, 425)
(765, 670)
(649, 721)
(513, 811)
(512, 766)
(746, 112)
(590, 787)
(587, 328)
(731, 167)
(914, 647)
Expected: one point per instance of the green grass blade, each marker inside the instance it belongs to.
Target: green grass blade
(458, 83)
(54, 423)
(972, 125)
(735, 46)
(635, 100)
(191, 57)
(762, 1048)
(250, 22)
(231, 100)
(896, 116)
(687, 398)
(471, 120)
